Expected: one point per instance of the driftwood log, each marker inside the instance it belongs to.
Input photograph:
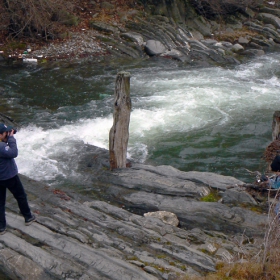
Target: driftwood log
(119, 133)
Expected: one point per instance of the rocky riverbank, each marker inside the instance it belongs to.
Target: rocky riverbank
(78, 237)
(193, 40)
(100, 231)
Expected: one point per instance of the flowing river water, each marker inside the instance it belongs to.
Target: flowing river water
(205, 119)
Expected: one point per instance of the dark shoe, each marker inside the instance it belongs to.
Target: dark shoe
(2, 231)
(29, 221)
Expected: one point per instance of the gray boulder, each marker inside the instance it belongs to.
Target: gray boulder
(270, 19)
(237, 196)
(237, 48)
(154, 47)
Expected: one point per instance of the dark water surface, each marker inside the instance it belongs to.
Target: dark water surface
(209, 119)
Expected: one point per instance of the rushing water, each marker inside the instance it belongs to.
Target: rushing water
(208, 119)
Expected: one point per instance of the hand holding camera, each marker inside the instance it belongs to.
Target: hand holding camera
(12, 132)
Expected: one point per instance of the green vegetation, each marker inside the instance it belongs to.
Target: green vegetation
(213, 196)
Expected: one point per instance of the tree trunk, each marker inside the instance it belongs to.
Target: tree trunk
(276, 126)
(119, 133)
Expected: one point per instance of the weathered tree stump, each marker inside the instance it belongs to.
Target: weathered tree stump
(119, 133)
(276, 126)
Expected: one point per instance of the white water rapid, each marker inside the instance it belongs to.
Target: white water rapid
(211, 119)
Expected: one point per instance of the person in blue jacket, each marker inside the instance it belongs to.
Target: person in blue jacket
(9, 178)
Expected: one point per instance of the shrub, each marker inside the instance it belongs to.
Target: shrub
(31, 18)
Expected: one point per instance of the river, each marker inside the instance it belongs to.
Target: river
(205, 119)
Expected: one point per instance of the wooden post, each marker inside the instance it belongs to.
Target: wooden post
(276, 126)
(119, 133)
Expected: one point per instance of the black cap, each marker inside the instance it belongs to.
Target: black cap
(4, 128)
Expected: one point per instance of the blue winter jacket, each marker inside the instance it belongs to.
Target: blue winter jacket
(8, 151)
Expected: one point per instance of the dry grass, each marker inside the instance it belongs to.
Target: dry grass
(263, 266)
(250, 270)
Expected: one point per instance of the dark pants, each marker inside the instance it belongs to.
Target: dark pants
(16, 188)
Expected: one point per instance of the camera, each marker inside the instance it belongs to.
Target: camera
(15, 131)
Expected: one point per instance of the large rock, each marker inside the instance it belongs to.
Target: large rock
(207, 215)
(144, 188)
(269, 10)
(237, 48)
(134, 37)
(238, 196)
(167, 217)
(268, 18)
(154, 47)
